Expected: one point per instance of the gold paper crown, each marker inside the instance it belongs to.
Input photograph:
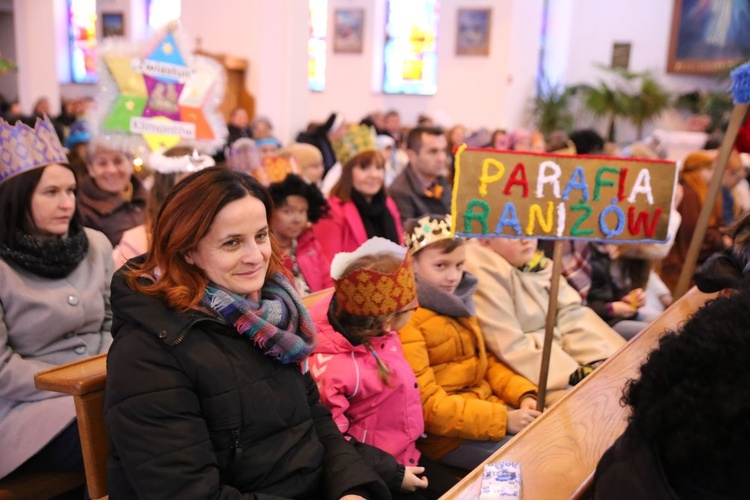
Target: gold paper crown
(357, 139)
(429, 230)
(23, 148)
(365, 292)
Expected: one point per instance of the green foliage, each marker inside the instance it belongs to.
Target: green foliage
(637, 97)
(551, 111)
(716, 105)
(647, 102)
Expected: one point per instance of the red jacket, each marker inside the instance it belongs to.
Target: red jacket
(315, 266)
(343, 229)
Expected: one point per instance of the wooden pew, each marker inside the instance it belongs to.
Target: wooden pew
(36, 485)
(559, 451)
(84, 380)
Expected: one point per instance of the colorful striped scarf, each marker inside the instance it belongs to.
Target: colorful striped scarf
(278, 324)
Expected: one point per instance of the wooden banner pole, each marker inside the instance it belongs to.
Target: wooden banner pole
(549, 325)
(691, 258)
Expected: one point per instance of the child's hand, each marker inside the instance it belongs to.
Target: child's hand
(518, 419)
(623, 310)
(528, 403)
(411, 481)
(636, 298)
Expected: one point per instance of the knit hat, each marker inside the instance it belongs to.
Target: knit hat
(365, 292)
(304, 154)
(698, 160)
(78, 134)
(356, 139)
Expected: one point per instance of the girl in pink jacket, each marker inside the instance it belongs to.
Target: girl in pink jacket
(358, 362)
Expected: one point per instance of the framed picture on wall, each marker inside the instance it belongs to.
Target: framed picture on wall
(348, 28)
(473, 32)
(708, 36)
(113, 24)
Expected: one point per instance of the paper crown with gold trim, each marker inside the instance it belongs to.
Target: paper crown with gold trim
(356, 139)
(429, 229)
(23, 148)
(365, 292)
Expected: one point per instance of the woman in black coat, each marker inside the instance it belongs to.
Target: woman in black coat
(205, 394)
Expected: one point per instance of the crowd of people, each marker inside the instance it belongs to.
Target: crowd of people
(421, 359)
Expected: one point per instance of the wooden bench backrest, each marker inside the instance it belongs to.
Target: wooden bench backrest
(84, 380)
(559, 451)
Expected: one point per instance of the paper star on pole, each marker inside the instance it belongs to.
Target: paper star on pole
(156, 94)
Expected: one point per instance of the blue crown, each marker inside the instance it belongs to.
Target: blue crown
(23, 148)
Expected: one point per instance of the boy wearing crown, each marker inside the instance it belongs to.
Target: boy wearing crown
(465, 390)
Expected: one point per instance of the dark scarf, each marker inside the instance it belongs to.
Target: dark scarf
(458, 304)
(375, 215)
(278, 323)
(52, 258)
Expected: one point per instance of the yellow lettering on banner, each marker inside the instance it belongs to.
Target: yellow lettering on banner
(535, 214)
(486, 178)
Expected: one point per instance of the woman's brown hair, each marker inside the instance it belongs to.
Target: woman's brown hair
(343, 188)
(183, 221)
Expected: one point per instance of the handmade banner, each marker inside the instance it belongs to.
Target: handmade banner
(554, 196)
(155, 94)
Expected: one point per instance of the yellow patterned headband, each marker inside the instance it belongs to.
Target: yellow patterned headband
(365, 292)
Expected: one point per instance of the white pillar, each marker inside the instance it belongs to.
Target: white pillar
(37, 25)
(524, 61)
(281, 66)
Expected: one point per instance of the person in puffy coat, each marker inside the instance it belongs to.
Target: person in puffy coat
(464, 389)
(359, 365)
(205, 397)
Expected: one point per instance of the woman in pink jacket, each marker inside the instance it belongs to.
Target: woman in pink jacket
(359, 206)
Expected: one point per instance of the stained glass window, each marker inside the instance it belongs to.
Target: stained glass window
(410, 56)
(160, 12)
(82, 32)
(316, 45)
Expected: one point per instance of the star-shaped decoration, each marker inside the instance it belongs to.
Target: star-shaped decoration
(144, 105)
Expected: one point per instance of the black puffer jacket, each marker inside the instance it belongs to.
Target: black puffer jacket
(194, 410)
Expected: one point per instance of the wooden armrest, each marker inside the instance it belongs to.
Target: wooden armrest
(310, 300)
(77, 379)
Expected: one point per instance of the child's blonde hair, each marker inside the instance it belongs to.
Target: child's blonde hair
(363, 328)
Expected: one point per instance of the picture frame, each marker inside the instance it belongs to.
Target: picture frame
(473, 30)
(708, 36)
(113, 24)
(348, 31)
(621, 55)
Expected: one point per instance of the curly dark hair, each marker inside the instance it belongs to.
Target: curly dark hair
(692, 400)
(294, 185)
